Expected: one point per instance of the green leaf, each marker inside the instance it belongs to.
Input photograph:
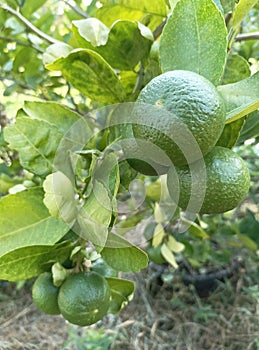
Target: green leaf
(25, 221)
(60, 116)
(11, 3)
(195, 39)
(195, 229)
(95, 216)
(128, 80)
(122, 255)
(30, 6)
(148, 12)
(129, 42)
(36, 141)
(241, 10)
(107, 173)
(45, 133)
(7, 182)
(24, 263)
(231, 133)
(129, 223)
(241, 98)
(77, 131)
(15, 26)
(250, 129)
(227, 5)
(218, 3)
(121, 293)
(248, 242)
(123, 46)
(88, 72)
(27, 59)
(168, 255)
(249, 226)
(60, 197)
(237, 68)
(153, 190)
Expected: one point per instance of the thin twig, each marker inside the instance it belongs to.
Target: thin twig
(228, 18)
(28, 24)
(76, 9)
(11, 319)
(21, 43)
(247, 36)
(158, 31)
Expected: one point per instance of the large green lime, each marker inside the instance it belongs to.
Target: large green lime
(181, 113)
(225, 185)
(84, 298)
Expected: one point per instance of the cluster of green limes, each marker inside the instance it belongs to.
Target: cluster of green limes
(82, 299)
(183, 115)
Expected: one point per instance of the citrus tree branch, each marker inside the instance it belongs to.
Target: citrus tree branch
(247, 36)
(158, 31)
(20, 42)
(28, 24)
(76, 9)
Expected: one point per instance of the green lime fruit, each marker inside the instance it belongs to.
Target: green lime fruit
(84, 298)
(155, 255)
(181, 113)
(121, 135)
(45, 294)
(217, 188)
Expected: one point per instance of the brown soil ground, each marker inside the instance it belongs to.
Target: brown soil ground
(158, 318)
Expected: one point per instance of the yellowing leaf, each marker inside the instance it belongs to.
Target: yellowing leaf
(158, 235)
(168, 255)
(195, 229)
(174, 246)
(60, 197)
(241, 10)
(92, 30)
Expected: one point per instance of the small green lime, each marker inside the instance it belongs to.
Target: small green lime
(45, 294)
(84, 298)
(154, 254)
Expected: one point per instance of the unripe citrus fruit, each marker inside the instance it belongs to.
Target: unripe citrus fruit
(181, 113)
(84, 298)
(45, 294)
(154, 254)
(226, 182)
